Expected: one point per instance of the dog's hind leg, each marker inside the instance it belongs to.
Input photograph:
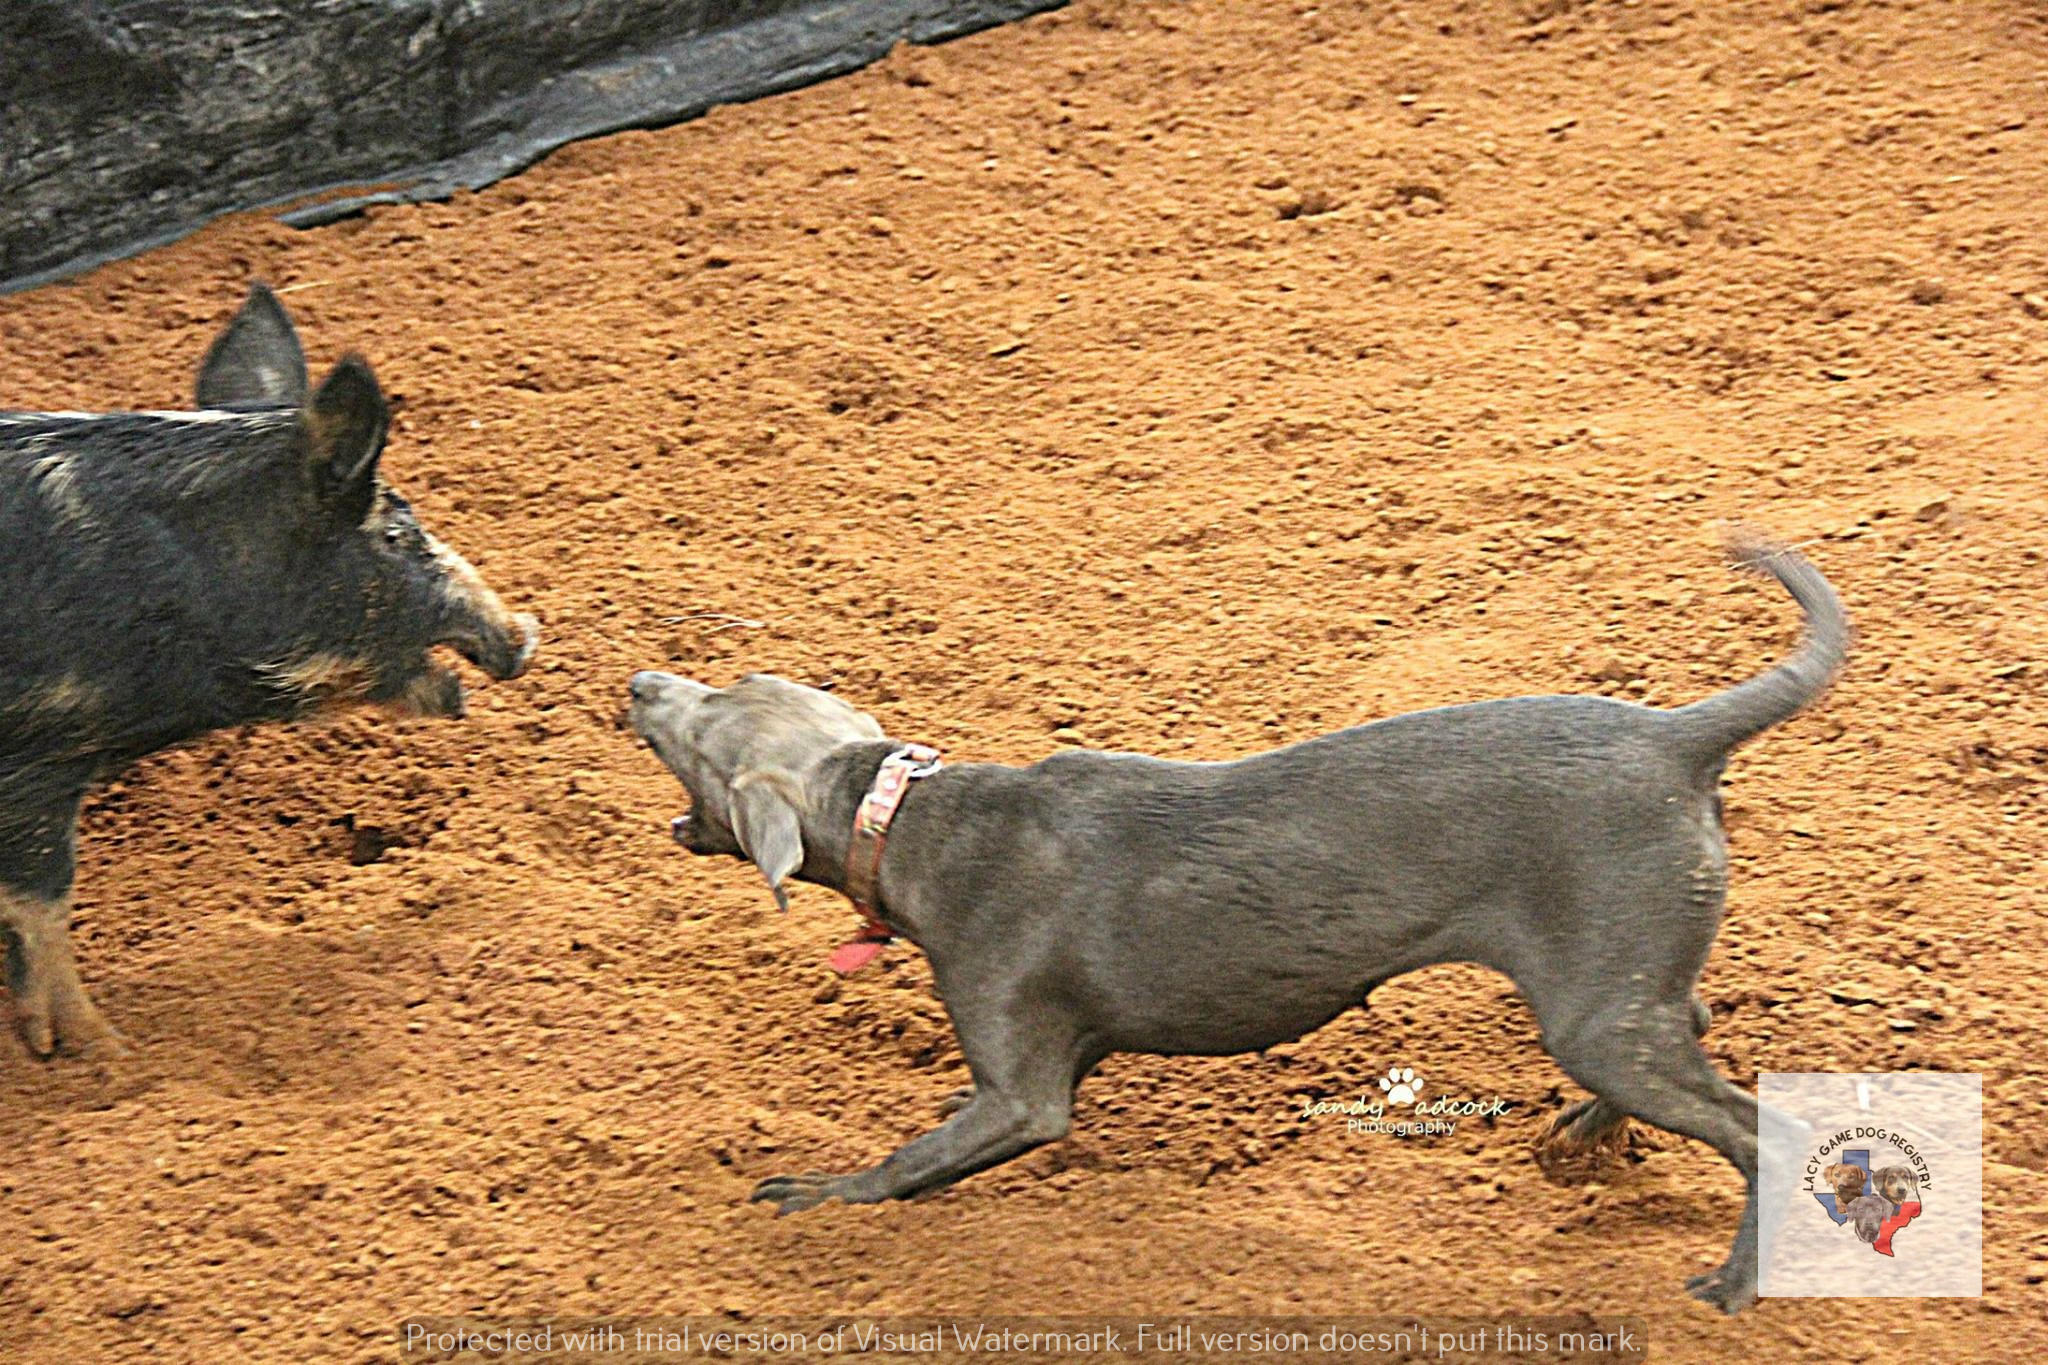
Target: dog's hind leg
(1023, 1097)
(1642, 1057)
(1593, 1124)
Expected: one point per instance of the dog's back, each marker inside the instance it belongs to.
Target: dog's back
(1453, 834)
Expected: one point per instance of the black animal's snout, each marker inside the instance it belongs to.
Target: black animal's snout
(502, 644)
(510, 651)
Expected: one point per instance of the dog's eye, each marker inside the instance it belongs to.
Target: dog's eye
(394, 534)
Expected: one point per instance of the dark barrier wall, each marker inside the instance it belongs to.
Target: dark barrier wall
(125, 123)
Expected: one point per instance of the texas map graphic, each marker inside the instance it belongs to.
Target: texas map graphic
(1905, 1213)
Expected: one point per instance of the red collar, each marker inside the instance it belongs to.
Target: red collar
(864, 851)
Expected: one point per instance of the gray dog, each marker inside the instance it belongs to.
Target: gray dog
(1096, 903)
(1868, 1213)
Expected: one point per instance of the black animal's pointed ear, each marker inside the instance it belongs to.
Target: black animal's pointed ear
(256, 360)
(764, 819)
(345, 426)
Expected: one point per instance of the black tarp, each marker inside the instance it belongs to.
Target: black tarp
(124, 123)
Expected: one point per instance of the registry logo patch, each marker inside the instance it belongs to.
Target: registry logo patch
(1887, 1199)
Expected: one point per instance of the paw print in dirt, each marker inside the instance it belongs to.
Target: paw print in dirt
(1401, 1084)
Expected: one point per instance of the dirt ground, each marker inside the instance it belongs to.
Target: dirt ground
(1180, 378)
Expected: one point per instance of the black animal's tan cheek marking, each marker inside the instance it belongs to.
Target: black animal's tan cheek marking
(319, 680)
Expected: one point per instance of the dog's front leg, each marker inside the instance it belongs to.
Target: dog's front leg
(1025, 1060)
(987, 1131)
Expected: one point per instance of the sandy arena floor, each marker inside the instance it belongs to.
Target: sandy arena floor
(1183, 378)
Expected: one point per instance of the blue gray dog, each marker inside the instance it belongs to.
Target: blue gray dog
(1096, 902)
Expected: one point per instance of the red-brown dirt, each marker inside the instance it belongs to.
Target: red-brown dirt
(1181, 378)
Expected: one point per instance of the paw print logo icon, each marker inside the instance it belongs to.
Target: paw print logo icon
(1401, 1084)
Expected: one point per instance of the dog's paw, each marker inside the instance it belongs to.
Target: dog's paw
(1723, 1288)
(1401, 1084)
(794, 1193)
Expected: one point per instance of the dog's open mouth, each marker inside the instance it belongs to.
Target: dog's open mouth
(701, 838)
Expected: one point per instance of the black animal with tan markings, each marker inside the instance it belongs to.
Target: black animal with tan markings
(165, 574)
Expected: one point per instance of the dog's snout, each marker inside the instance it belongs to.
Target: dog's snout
(651, 685)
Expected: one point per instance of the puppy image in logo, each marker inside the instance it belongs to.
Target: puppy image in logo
(1401, 1084)
(1877, 1203)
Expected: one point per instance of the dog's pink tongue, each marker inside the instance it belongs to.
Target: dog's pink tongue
(851, 957)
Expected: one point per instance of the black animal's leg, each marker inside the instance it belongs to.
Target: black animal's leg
(49, 999)
(1597, 1123)
(1641, 1056)
(1023, 1097)
(37, 861)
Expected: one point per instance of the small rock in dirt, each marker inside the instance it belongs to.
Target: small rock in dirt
(125, 1303)
(1928, 291)
(1612, 668)
(1657, 269)
(1306, 204)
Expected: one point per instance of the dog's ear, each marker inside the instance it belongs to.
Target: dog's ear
(764, 820)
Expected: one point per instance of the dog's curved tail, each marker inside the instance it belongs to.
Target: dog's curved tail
(1718, 723)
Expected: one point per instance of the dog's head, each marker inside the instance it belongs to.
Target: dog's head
(1868, 1212)
(1847, 1181)
(743, 754)
(1895, 1183)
